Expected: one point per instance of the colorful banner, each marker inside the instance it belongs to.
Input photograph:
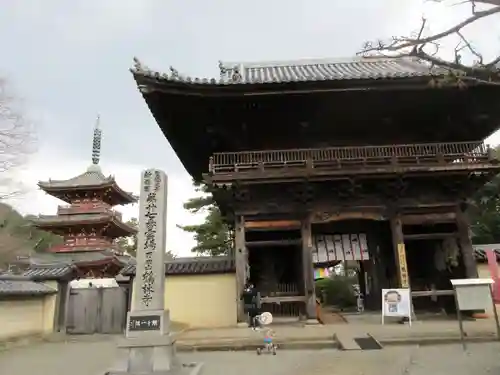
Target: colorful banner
(321, 273)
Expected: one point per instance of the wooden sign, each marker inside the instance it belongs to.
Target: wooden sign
(144, 323)
(403, 267)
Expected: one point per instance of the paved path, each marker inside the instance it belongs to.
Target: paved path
(419, 332)
(93, 358)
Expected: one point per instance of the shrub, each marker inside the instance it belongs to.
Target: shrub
(337, 291)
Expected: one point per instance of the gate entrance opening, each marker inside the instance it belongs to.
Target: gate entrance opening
(275, 265)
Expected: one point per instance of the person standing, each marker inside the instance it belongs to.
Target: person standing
(251, 304)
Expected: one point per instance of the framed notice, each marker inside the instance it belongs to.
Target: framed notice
(396, 303)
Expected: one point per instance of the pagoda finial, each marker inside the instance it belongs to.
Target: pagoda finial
(96, 142)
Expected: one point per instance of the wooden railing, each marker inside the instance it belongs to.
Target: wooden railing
(341, 157)
(280, 290)
(79, 210)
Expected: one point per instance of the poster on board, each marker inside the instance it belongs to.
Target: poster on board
(396, 303)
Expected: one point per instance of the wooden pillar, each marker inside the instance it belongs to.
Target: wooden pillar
(241, 263)
(465, 244)
(400, 252)
(307, 269)
(362, 278)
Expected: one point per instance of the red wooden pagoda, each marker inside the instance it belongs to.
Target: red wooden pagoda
(88, 224)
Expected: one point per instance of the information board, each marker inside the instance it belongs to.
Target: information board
(396, 303)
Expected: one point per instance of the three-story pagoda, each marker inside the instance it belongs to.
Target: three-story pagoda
(88, 223)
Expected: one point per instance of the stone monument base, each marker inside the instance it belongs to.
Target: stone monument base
(150, 356)
(148, 348)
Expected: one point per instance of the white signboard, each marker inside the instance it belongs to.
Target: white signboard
(396, 303)
(340, 248)
(473, 294)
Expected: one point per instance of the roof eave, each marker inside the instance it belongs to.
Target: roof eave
(127, 197)
(148, 84)
(27, 294)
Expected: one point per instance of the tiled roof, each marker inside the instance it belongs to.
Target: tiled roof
(192, 266)
(112, 216)
(48, 273)
(53, 266)
(70, 258)
(62, 219)
(360, 68)
(18, 286)
(93, 177)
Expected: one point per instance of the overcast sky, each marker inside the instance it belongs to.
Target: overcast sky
(69, 60)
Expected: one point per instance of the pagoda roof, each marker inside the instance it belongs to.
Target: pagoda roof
(91, 179)
(78, 219)
(52, 266)
(304, 70)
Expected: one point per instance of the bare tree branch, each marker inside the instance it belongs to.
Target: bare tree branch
(17, 140)
(417, 46)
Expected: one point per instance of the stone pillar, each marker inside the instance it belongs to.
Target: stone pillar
(307, 269)
(400, 252)
(148, 347)
(464, 240)
(241, 263)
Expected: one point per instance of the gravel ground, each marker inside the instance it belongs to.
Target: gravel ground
(94, 358)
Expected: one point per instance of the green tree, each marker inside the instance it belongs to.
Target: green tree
(212, 236)
(18, 237)
(484, 211)
(484, 214)
(129, 244)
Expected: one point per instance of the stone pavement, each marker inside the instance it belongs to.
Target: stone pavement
(421, 332)
(94, 357)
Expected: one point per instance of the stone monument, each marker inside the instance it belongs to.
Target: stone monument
(148, 347)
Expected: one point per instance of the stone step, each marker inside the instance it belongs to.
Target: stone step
(346, 341)
(356, 341)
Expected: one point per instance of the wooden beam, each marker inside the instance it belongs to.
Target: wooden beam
(307, 267)
(273, 243)
(327, 217)
(465, 243)
(400, 251)
(283, 299)
(241, 263)
(272, 224)
(428, 218)
(428, 236)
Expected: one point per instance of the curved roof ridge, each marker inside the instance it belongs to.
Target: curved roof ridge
(310, 70)
(309, 61)
(92, 177)
(89, 177)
